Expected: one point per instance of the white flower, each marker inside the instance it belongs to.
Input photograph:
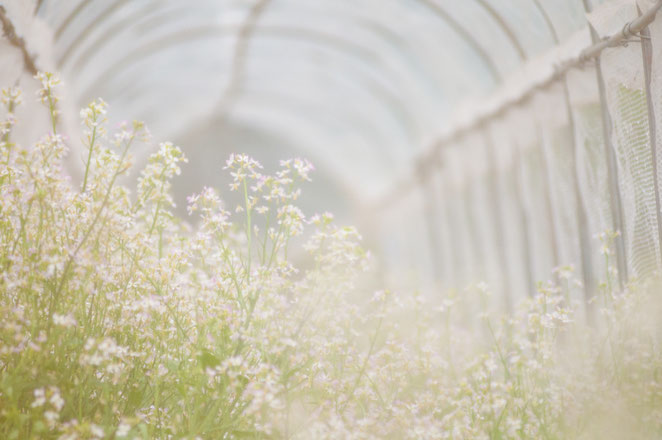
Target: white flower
(51, 417)
(64, 320)
(123, 429)
(40, 398)
(56, 400)
(96, 431)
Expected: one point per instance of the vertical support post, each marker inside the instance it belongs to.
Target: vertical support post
(477, 251)
(499, 230)
(458, 248)
(618, 217)
(583, 227)
(549, 200)
(524, 216)
(430, 213)
(582, 218)
(616, 204)
(647, 55)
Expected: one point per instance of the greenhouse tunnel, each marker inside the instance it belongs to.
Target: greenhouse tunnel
(473, 140)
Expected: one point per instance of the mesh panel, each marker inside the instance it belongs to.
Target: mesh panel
(591, 160)
(655, 29)
(545, 163)
(562, 176)
(548, 158)
(557, 143)
(623, 72)
(532, 187)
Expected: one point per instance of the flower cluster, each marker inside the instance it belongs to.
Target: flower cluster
(119, 320)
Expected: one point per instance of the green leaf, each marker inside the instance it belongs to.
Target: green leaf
(208, 360)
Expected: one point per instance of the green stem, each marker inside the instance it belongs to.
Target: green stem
(72, 257)
(89, 157)
(498, 347)
(249, 232)
(51, 108)
(364, 366)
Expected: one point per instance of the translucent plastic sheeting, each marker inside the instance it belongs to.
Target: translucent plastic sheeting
(537, 212)
(566, 16)
(591, 162)
(391, 243)
(304, 58)
(531, 196)
(444, 266)
(419, 236)
(363, 87)
(508, 181)
(477, 201)
(489, 265)
(560, 154)
(406, 244)
(456, 194)
(432, 218)
(472, 222)
(398, 66)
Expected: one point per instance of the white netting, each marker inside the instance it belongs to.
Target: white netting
(551, 171)
(534, 193)
(626, 97)
(591, 159)
(558, 146)
(655, 29)
(548, 180)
